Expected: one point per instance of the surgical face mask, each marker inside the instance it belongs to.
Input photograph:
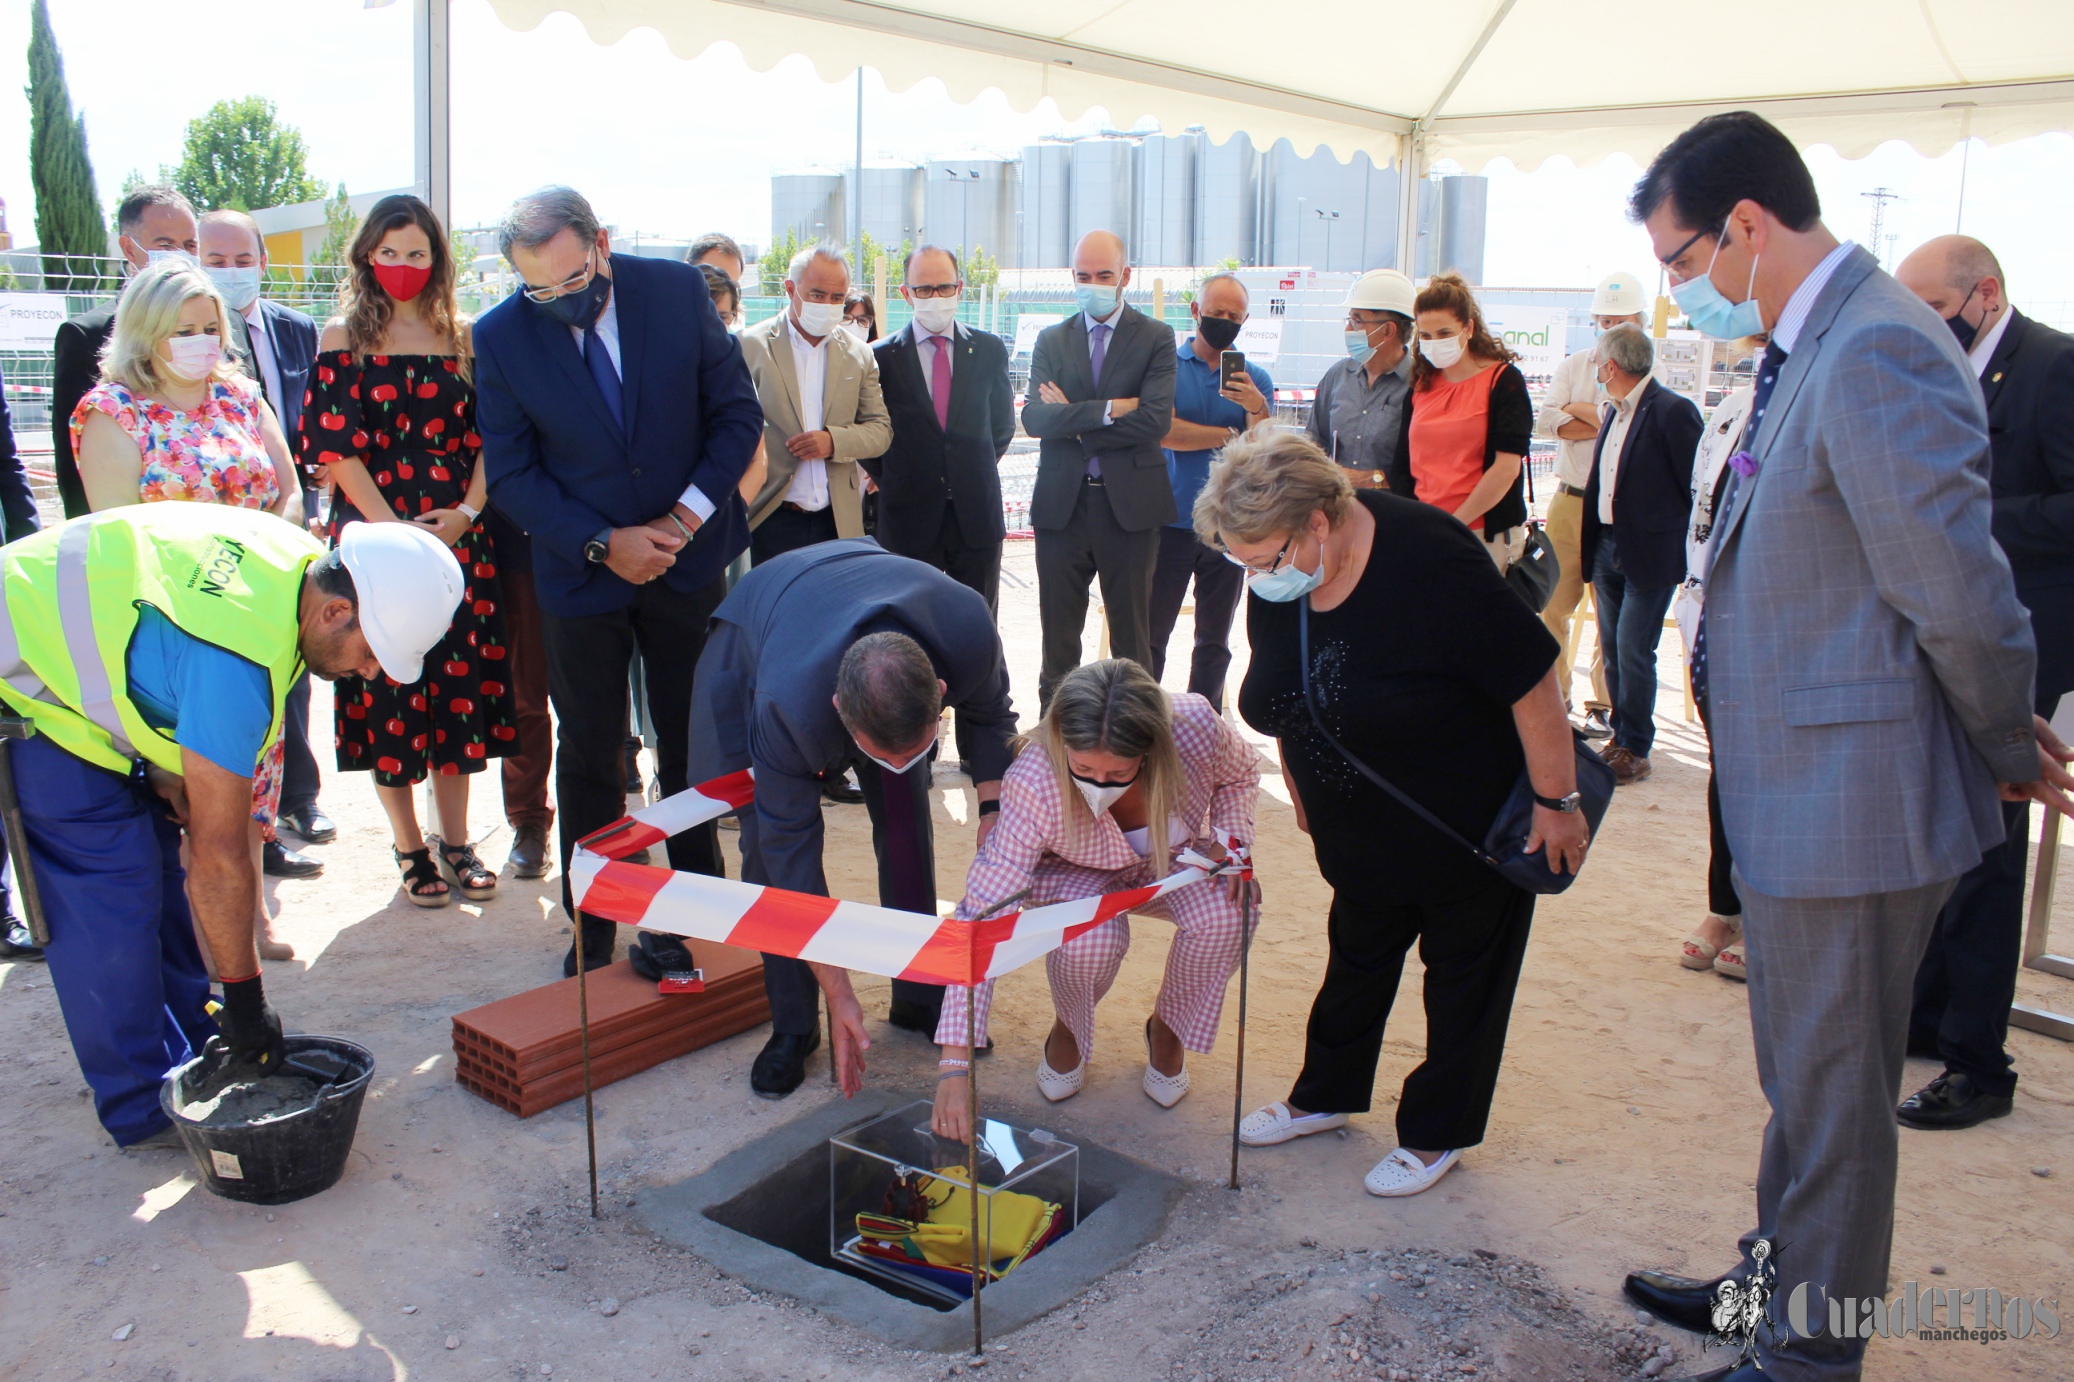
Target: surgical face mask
(820, 318)
(240, 287)
(1095, 299)
(1964, 330)
(901, 771)
(1358, 348)
(1710, 311)
(1100, 796)
(194, 357)
(855, 329)
(1218, 332)
(179, 256)
(1287, 582)
(935, 315)
(1444, 353)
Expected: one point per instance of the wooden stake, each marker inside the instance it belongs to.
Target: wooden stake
(583, 1022)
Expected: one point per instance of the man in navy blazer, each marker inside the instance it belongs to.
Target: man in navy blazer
(617, 418)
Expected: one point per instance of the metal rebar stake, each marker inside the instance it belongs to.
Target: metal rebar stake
(972, 1155)
(583, 1022)
(1238, 1084)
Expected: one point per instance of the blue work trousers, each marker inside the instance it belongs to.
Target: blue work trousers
(123, 959)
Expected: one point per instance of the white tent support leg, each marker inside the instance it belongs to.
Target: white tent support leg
(2038, 933)
(432, 106)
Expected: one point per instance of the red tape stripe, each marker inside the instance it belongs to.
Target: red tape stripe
(781, 923)
(736, 789)
(622, 892)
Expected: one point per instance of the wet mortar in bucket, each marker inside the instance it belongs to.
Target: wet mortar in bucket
(279, 1138)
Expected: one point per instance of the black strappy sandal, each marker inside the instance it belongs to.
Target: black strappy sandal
(419, 873)
(463, 871)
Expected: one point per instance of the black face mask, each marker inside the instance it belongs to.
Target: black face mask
(1218, 331)
(1963, 329)
(580, 308)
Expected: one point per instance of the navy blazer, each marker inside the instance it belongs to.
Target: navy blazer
(563, 470)
(294, 339)
(2029, 390)
(927, 466)
(763, 696)
(1652, 494)
(18, 516)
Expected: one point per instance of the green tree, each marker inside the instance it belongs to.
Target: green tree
(770, 270)
(69, 229)
(328, 269)
(982, 270)
(240, 157)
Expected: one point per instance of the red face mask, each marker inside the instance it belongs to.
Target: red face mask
(401, 281)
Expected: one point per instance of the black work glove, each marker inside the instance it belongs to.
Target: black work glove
(251, 1029)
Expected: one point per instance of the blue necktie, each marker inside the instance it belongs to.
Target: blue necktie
(1760, 398)
(607, 378)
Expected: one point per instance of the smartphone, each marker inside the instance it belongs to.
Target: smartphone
(1231, 365)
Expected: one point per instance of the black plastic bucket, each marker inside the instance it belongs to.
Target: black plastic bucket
(287, 1158)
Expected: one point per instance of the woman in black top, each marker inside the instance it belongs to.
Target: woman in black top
(1425, 665)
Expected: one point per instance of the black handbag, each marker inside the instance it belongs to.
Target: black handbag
(1504, 844)
(1533, 577)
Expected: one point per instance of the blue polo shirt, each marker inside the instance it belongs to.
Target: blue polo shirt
(1198, 399)
(171, 672)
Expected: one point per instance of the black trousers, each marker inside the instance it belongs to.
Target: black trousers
(1721, 864)
(904, 841)
(299, 780)
(587, 659)
(1967, 979)
(1472, 945)
(977, 566)
(1093, 544)
(1219, 584)
(788, 530)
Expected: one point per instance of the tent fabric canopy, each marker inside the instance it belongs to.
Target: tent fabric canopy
(1525, 80)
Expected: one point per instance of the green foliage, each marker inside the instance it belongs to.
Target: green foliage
(328, 269)
(982, 270)
(1231, 263)
(69, 229)
(770, 270)
(240, 157)
(895, 256)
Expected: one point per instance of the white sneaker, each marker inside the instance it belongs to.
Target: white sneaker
(1265, 1127)
(1056, 1087)
(1401, 1173)
(1164, 1090)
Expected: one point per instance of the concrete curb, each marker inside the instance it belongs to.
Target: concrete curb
(1138, 1200)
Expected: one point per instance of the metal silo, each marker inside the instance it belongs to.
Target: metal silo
(809, 203)
(1104, 192)
(1168, 167)
(892, 202)
(1463, 203)
(1227, 202)
(1325, 214)
(1046, 198)
(972, 205)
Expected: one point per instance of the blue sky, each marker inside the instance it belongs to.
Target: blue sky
(670, 146)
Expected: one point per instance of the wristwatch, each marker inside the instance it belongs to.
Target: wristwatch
(1569, 805)
(598, 548)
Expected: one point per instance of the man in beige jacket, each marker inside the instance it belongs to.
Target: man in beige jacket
(822, 412)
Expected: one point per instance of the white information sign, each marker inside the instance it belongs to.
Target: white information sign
(1261, 339)
(1535, 334)
(29, 321)
(1026, 328)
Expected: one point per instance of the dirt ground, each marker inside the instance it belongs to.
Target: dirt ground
(1625, 1135)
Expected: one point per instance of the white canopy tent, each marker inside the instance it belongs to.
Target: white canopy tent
(1471, 81)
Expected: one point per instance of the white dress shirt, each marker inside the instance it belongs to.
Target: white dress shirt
(1616, 431)
(1984, 348)
(607, 326)
(809, 487)
(1575, 381)
(269, 366)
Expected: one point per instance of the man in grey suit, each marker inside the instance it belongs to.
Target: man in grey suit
(1867, 670)
(1101, 400)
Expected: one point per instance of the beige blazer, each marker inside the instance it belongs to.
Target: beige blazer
(852, 411)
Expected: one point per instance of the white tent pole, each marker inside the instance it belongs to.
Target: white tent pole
(857, 181)
(1411, 165)
(432, 106)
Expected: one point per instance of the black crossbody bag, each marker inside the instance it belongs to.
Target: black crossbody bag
(1533, 577)
(1504, 844)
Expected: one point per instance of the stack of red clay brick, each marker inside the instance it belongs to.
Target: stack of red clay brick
(525, 1053)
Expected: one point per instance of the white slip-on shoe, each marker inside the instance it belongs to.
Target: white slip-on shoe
(1401, 1173)
(1164, 1090)
(1265, 1127)
(1056, 1087)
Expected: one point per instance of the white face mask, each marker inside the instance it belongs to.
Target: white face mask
(855, 329)
(194, 357)
(909, 766)
(240, 287)
(819, 318)
(1100, 796)
(1442, 354)
(935, 315)
(178, 256)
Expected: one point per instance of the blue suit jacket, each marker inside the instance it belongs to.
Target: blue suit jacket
(562, 469)
(294, 339)
(1652, 492)
(18, 517)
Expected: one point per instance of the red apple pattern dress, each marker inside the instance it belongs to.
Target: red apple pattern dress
(411, 420)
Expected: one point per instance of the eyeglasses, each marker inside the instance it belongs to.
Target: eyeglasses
(1679, 253)
(1280, 556)
(575, 282)
(935, 290)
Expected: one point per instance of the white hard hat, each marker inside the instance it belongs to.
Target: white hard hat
(1619, 295)
(409, 585)
(1382, 290)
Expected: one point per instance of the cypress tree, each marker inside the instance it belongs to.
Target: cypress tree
(69, 228)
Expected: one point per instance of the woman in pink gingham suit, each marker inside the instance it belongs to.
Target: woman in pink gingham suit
(1129, 749)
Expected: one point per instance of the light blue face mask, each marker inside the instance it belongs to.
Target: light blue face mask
(1709, 309)
(240, 287)
(1096, 300)
(1286, 582)
(1358, 348)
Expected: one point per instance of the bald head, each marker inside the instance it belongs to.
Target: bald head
(1100, 258)
(1956, 275)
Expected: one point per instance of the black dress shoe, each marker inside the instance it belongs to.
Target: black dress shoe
(311, 823)
(838, 790)
(529, 852)
(15, 943)
(1598, 725)
(782, 1064)
(280, 861)
(1952, 1100)
(1678, 1300)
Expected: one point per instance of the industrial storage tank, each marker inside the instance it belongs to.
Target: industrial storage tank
(1047, 171)
(1227, 201)
(971, 204)
(892, 202)
(1328, 215)
(1451, 225)
(1104, 182)
(809, 202)
(1164, 232)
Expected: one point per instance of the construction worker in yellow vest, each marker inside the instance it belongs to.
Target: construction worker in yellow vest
(152, 647)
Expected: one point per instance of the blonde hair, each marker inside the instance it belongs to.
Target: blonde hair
(1267, 482)
(147, 313)
(1114, 706)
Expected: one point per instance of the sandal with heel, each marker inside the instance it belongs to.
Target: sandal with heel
(463, 871)
(419, 873)
(1697, 954)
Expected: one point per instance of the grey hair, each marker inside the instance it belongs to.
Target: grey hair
(832, 253)
(539, 216)
(1629, 348)
(886, 691)
(129, 213)
(1222, 275)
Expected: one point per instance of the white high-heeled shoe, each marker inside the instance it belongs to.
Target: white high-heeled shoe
(1057, 1087)
(1164, 1090)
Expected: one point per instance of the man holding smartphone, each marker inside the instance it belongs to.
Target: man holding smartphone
(1218, 394)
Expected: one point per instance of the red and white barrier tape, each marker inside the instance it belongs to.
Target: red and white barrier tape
(826, 930)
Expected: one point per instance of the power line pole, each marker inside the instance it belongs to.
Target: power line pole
(1881, 243)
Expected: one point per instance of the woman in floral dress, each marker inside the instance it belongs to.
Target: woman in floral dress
(174, 418)
(391, 418)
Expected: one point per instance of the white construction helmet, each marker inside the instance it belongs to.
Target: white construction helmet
(408, 584)
(1619, 295)
(1382, 290)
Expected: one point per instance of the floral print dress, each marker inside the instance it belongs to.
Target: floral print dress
(213, 454)
(411, 420)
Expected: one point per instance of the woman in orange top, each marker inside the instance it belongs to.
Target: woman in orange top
(1471, 419)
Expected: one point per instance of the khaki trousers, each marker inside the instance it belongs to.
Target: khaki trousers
(1565, 527)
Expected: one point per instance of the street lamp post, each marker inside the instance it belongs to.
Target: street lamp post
(1328, 217)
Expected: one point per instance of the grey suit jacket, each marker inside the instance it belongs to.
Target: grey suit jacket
(852, 412)
(1868, 665)
(1139, 363)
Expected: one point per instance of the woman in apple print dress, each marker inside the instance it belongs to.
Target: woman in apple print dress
(391, 417)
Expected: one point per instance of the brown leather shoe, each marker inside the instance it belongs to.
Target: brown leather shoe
(528, 856)
(1627, 768)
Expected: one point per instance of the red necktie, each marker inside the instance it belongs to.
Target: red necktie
(940, 380)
